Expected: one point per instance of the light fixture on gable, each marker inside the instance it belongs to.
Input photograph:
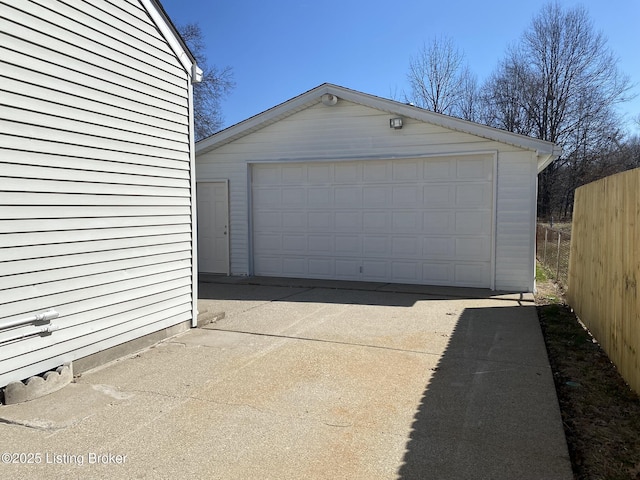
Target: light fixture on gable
(395, 123)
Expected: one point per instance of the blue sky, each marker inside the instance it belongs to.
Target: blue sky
(281, 48)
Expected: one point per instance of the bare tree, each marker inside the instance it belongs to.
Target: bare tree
(559, 83)
(503, 98)
(436, 76)
(469, 102)
(216, 84)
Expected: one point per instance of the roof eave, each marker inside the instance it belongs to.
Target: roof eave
(262, 119)
(168, 30)
(547, 158)
(449, 122)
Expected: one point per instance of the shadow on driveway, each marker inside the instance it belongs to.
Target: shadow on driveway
(219, 287)
(489, 410)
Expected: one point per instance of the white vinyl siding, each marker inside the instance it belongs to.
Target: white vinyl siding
(350, 131)
(95, 183)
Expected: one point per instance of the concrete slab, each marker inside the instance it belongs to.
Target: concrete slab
(315, 382)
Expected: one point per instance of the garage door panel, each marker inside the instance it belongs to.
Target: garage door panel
(471, 248)
(407, 170)
(348, 221)
(293, 174)
(438, 170)
(321, 220)
(320, 244)
(295, 265)
(291, 221)
(474, 169)
(321, 267)
(473, 195)
(268, 220)
(319, 173)
(347, 172)
(407, 221)
(404, 272)
(434, 248)
(267, 175)
(375, 246)
(294, 243)
(319, 197)
(348, 197)
(265, 198)
(294, 197)
(470, 274)
(347, 269)
(405, 247)
(437, 273)
(471, 222)
(376, 195)
(376, 171)
(269, 243)
(376, 221)
(438, 195)
(438, 222)
(268, 265)
(375, 270)
(348, 245)
(407, 195)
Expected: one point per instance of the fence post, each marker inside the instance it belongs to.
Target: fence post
(544, 253)
(558, 264)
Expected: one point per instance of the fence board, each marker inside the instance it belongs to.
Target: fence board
(604, 267)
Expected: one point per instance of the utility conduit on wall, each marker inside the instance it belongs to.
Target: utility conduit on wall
(40, 329)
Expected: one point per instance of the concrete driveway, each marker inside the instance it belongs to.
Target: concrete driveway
(317, 380)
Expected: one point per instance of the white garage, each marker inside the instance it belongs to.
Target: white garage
(325, 186)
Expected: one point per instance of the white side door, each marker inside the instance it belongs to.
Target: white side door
(213, 227)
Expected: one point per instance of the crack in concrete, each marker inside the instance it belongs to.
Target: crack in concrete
(272, 300)
(322, 340)
(380, 347)
(44, 426)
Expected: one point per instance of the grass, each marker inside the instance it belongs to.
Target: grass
(601, 414)
(541, 273)
(557, 263)
(564, 227)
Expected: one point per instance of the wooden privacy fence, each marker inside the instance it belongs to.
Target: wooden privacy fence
(604, 268)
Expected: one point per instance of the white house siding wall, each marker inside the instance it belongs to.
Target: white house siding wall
(95, 209)
(352, 131)
(515, 229)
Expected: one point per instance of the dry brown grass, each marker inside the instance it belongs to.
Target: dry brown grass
(601, 414)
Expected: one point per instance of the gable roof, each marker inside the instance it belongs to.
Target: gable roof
(168, 30)
(546, 151)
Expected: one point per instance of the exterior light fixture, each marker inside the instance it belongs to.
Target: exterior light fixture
(395, 123)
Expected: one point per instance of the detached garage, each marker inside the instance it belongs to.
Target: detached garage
(338, 184)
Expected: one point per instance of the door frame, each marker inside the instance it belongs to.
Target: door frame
(225, 182)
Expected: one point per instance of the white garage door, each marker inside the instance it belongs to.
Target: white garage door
(426, 221)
